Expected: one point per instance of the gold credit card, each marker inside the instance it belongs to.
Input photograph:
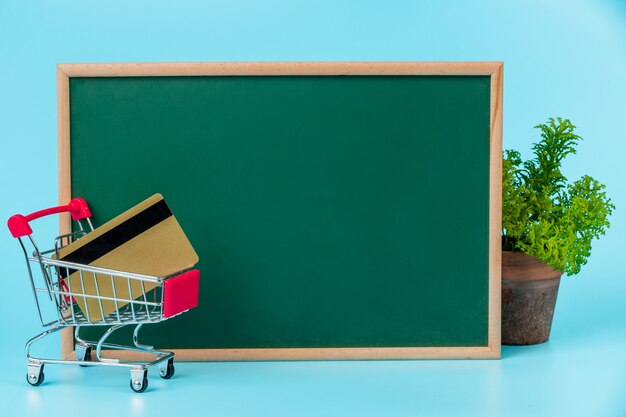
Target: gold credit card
(146, 239)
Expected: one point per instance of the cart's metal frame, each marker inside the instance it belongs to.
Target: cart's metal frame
(54, 285)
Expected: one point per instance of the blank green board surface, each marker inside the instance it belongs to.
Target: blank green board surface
(327, 211)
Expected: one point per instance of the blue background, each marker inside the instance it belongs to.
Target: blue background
(562, 58)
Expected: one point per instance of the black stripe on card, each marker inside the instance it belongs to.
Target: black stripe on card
(119, 235)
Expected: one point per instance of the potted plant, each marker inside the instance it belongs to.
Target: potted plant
(548, 224)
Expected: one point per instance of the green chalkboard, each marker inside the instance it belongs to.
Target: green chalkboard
(328, 211)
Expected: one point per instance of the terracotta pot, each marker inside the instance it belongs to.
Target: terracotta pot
(529, 291)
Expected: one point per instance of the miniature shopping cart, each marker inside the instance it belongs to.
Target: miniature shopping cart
(56, 295)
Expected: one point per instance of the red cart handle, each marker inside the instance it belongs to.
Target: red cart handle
(18, 224)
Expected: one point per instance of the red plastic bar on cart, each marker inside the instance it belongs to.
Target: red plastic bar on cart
(181, 293)
(18, 224)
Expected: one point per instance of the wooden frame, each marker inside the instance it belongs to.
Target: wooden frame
(492, 69)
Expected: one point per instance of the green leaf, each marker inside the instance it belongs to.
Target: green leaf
(543, 214)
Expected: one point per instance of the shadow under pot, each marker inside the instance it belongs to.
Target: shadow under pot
(529, 292)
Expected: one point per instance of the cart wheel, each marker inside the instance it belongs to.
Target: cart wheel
(139, 384)
(168, 371)
(83, 354)
(35, 375)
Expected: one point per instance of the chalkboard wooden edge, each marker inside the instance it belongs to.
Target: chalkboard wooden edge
(492, 69)
(148, 69)
(495, 210)
(312, 354)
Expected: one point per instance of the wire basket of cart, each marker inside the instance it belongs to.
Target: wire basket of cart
(73, 294)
